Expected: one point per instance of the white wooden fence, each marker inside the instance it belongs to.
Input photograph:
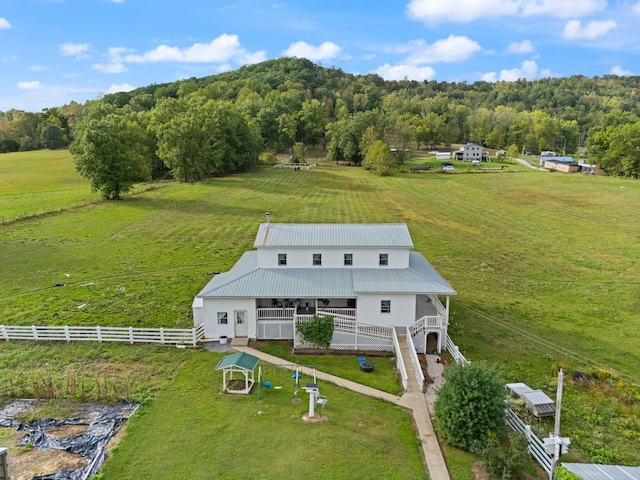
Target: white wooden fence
(164, 336)
(536, 446)
(415, 360)
(400, 361)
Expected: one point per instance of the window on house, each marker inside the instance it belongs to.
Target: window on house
(385, 306)
(384, 259)
(348, 259)
(282, 259)
(317, 259)
(223, 318)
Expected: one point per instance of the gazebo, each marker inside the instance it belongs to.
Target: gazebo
(238, 363)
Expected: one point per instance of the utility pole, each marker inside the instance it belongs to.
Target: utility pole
(556, 445)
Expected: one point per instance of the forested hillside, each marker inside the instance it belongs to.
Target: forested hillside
(223, 123)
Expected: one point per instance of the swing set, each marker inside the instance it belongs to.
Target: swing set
(283, 377)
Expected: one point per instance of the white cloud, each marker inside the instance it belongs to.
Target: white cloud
(4, 24)
(410, 72)
(528, 70)
(29, 85)
(324, 51)
(462, 11)
(451, 49)
(636, 8)
(221, 49)
(38, 68)
(562, 8)
(109, 67)
(574, 30)
(525, 46)
(619, 71)
(125, 87)
(77, 50)
(117, 1)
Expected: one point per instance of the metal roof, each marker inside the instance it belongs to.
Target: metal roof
(390, 235)
(592, 471)
(247, 280)
(241, 360)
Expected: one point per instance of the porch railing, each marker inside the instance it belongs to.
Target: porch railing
(276, 313)
(404, 378)
(415, 360)
(351, 335)
(346, 312)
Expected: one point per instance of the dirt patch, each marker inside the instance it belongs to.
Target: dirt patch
(27, 463)
(68, 431)
(115, 440)
(316, 418)
(480, 473)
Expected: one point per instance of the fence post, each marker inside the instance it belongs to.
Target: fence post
(195, 336)
(131, 335)
(4, 333)
(356, 338)
(67, 336)
(162, 335)
(35, 332)
(99, 334)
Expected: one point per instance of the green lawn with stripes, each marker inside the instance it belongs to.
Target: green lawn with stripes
(546, 265)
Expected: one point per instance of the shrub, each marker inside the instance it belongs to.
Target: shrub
(470, 405)
(503, 460)
(562, 473)
(318, 331)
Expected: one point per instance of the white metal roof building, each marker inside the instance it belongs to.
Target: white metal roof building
(359, 272)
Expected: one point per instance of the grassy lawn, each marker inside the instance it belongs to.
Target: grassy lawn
(40, 181)
(546, 267)
(207, 434)
(384, 376)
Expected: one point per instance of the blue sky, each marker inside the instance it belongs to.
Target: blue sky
(56, 51)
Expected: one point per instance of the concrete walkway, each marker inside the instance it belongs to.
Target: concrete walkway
(413, 399)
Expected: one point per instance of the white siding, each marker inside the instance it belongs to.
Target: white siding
(333, 257)
(229, 305)
(403, 310)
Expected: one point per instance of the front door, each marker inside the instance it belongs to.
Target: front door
(241, 323)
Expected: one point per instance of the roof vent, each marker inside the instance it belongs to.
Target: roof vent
(267, 215)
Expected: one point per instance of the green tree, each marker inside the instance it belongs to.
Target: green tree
(299, 152)
(379, 159)
(108, 150)
(470, 405)
(314, 117)
(52, 137)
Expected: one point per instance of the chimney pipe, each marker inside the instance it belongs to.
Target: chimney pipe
(267, 215)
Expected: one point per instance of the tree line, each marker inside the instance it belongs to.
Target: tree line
(275, 105)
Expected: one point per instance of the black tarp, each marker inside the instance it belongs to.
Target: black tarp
(103, 422)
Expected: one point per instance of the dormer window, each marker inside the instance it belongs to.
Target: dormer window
(317, 259)
(282, 259)
(348, 259)
(384, 259)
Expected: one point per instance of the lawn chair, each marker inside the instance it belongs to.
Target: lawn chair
(321, 400)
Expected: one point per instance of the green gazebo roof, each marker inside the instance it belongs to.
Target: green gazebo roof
(241, 360)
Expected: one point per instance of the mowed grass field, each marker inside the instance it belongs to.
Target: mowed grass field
(546, 267)
(41, 181)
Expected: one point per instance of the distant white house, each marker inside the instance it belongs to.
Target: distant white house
(471, 152)
(365, 275)
(443, 155)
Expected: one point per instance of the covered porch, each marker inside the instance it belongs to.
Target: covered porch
(275, 316)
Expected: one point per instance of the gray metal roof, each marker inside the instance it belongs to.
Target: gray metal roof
(388, 235)
(592, 471)
(247, 280)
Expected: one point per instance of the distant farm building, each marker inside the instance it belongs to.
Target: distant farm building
(562, 166)
(471, 152)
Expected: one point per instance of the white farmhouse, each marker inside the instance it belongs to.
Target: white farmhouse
(471, 152)
(365, 275)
